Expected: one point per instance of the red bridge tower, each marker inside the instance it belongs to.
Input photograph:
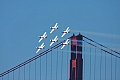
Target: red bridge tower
(76, 61)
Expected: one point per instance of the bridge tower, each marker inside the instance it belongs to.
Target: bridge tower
(76, 61)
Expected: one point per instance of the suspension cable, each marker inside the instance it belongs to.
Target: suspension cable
(102, 49)
(101, 45)
(31, 59)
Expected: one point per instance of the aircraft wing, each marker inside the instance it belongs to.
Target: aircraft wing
(44, 34)
(40, 39)
(63, 46)
(63, 34)
(51, 43)
(56, 24)
(37, 50)
(51, 30)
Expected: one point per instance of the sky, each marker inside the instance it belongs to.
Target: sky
(21, 22)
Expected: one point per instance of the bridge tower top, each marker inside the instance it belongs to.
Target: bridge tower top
(76, 61)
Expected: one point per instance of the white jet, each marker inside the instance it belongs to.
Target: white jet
(42, 37)
(65, 43)
(66, 31)
(54, 27)
(54, 40)
(40, 47)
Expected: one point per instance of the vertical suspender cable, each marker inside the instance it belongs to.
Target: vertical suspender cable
(90, 62)
(95, 64)
(29, 70)
(100, 63)
(8, 76)
(2, 77)
(46, 67)
(35, 69)
(24, 72)
(111, 66)
(51, 64)
(84, 60)
(105, 65)
(40, 68)
(115, 67)
(57, 64)
(19, 74)
(61, 64)
(67, 60)
(13, 75)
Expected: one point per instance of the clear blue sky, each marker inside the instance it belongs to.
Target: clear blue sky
(22, 21)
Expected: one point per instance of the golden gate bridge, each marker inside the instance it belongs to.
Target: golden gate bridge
(82, 59)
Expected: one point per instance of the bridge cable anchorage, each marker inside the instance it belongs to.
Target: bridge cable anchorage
(101, 45)
(102, 49)
(32, 59)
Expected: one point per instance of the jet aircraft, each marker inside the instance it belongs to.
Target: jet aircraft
(54, 27)
(54, 40)
(65, 32)
(43, 36)
(40, 47)
(65, 43)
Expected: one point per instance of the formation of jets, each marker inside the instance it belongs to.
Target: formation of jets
(53, 40)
